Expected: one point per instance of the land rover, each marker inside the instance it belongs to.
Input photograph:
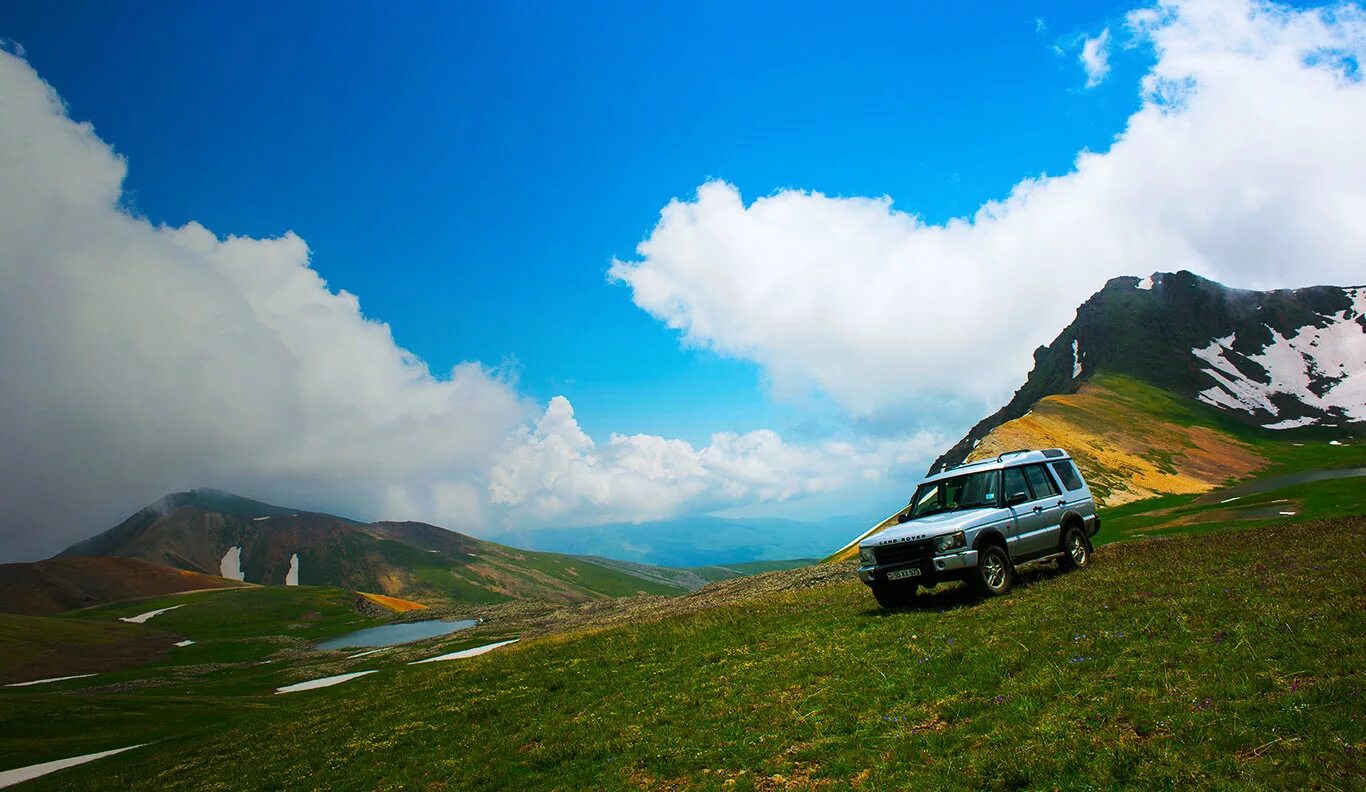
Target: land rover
(977, 522)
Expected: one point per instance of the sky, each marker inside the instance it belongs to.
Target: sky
(533, 265)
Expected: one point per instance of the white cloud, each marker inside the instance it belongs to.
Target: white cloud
(138, 359)
(1245, 163)
(557, 475)
(1095, 58)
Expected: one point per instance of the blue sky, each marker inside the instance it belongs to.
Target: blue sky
(469, 172)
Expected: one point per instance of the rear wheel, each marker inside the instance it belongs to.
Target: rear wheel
(1076, 551)
(994, 573)
(894, 596)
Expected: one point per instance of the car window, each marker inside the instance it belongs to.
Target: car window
(1040, 482)
(1013, 481)
(1067, 475)
(970, 491)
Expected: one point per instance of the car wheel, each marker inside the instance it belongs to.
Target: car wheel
(893, 596)
(994, 573)
(1076, 551)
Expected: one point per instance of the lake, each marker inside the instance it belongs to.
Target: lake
(394, 634)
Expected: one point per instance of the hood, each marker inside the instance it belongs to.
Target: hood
(931, 526)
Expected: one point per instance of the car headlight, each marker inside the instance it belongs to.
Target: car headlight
(947, 542)
(865, 555)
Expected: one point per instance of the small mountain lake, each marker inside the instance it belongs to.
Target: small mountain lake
(394, 634)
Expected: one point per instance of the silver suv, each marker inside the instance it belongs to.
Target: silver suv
(977, 522)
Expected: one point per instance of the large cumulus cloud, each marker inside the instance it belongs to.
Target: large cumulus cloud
(1246, 162)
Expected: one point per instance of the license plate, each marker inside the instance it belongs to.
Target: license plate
(902, 574)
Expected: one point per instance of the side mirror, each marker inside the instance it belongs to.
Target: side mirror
(903, 517)
(1017, 497)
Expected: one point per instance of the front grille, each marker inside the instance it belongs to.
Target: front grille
(903, 552)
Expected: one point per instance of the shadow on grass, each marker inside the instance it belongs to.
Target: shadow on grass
(953, 595)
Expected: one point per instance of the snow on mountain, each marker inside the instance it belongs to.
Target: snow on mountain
(1322, 366)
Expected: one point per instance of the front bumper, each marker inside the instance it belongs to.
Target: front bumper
(931, 568)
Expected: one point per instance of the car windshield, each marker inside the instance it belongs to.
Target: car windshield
(971, 491)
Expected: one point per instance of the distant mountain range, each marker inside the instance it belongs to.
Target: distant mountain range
(697, 541)
(208, 538)
(214, 533)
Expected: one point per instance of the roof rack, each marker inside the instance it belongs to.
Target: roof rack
(1002, 456)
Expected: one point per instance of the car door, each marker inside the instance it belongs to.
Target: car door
(1047, 507)
(1026, 520)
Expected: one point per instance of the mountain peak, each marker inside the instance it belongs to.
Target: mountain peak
(1277, 359)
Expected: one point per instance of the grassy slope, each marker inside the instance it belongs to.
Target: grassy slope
(1133, 441)
(728, 571)
(304, 612)
(39, 647)
(1230, 659)
(58, 584)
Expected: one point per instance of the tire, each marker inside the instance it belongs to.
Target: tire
(1076, 551)
(893, 596)
(994, 575)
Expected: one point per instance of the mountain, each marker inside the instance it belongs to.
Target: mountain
(218, 533)
(66, 583)
(698, 540)
(1165, 384)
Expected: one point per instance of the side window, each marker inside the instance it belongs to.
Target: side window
(1013, 481)
(1067, 475)
(1040, 481)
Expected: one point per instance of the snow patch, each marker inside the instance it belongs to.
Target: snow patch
(22, 774)
(183, 643)
(323, 682)
(1076, 360)
(1288, 514)
(1290, 423)
(49, 679)
(464, 653)
(366, 653)
(1334, 442)
(230, 565)
(142, 617)
(292, 576)
(259, 519)
(1146, 284)
(1324, 368)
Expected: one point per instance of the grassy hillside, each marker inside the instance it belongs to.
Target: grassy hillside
(1229, 659)
(61, 584)
(1135, 441)
(1131, 440)
(37, 647)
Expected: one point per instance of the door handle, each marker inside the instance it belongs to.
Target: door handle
(1062, 503)
(1038, 508)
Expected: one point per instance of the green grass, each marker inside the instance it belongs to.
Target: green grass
(1230, 660)
(727, 571)
(41, 647)
(305, 612)
(1179, 515)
